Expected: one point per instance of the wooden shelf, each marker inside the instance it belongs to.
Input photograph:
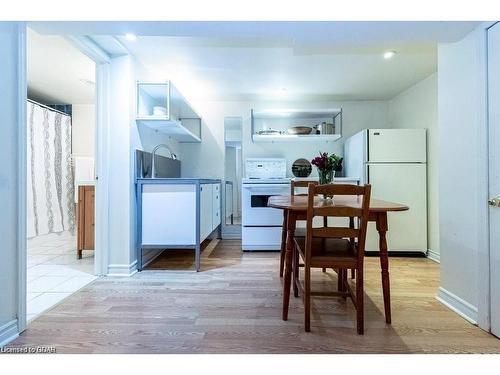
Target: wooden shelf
(295, 137)
(175, 129)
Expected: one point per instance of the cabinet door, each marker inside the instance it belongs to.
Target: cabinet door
(168, 214)
(216, 220)
(205, 211)
(89, 217)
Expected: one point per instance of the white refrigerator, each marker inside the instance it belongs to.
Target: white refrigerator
(393, 161)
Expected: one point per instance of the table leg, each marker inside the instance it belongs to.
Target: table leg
(384, 263)
(283, 242)
(291, 220)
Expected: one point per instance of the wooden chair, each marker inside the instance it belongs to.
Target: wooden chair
(299, 231)
(340, 248)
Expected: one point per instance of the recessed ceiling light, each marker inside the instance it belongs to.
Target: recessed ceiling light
(389, 55)
(130, 37)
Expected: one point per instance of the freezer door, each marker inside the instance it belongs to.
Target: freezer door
(406, 184)
(397, 145)
(355, 155)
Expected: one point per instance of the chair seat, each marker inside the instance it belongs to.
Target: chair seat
(328, 252)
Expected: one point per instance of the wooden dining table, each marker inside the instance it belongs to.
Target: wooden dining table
(296, 206)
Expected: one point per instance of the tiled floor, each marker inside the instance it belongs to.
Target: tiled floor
(54, 272)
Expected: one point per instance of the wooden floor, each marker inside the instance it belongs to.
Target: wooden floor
(234, 306)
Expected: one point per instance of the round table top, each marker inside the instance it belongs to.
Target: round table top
(299, 203)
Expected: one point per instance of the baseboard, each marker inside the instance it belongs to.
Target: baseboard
(8, 332)
(122, 269)
(458, 305)
(396, 253)
(432, 255)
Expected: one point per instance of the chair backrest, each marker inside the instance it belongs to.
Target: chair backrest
(298, 184)
(328, 208)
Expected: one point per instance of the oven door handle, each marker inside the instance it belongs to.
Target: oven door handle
(267, 187)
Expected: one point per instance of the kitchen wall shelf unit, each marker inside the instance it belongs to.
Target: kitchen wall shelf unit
(280, 120)
(160, 106)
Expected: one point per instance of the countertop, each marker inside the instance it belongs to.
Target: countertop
(334, 179)
(180, 180)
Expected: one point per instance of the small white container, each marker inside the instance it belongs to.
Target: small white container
(159, 111)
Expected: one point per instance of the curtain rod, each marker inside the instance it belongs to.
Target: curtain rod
(49, 108)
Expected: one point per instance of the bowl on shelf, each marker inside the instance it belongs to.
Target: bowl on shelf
(300, 130)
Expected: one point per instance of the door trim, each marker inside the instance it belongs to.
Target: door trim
(102, 75)
(483, 308)
(22, 136)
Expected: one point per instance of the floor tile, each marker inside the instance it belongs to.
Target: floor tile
(44, 302)
(54, 272)
(73, 284)
(45, 283)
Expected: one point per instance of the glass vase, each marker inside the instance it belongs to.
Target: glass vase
(325, 177)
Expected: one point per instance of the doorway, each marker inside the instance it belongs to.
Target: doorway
(61, 122)
(233, 173)
(494, 173)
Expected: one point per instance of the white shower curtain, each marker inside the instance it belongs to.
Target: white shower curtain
(50, 201)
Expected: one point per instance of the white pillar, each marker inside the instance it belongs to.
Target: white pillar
(12, 179)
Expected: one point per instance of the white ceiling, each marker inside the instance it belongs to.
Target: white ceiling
(279, 60)
(57, 72)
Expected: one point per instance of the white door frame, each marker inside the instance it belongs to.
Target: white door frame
(483, 308)
(102, 61)
(102, 76)
(22, 144)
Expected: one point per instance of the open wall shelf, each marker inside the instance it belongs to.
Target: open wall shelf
(160, 106)
(276, 122)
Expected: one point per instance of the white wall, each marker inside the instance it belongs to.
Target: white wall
(461, 116)
(203, 160)
(10, 179)
(125, 137)
(417, 107)
(83, 129)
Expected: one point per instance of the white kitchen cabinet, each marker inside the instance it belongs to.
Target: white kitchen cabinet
(206, 211)
(169, 214)
(216, 216)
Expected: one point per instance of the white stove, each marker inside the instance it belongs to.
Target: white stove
(261, 225)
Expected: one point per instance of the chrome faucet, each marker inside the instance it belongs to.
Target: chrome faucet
(153, 154)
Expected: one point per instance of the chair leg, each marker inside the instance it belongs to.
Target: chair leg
(307, 299)
(360, 301)
(353, 273)
(340, 280)
(324, 269)
(295, 272)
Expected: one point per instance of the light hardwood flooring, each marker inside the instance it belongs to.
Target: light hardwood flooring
(234, 306)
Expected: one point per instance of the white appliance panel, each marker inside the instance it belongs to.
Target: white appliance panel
(405, 184)
(355, 155)
(264, 168)
(261, 238)
(254, 202)
(397, 146)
